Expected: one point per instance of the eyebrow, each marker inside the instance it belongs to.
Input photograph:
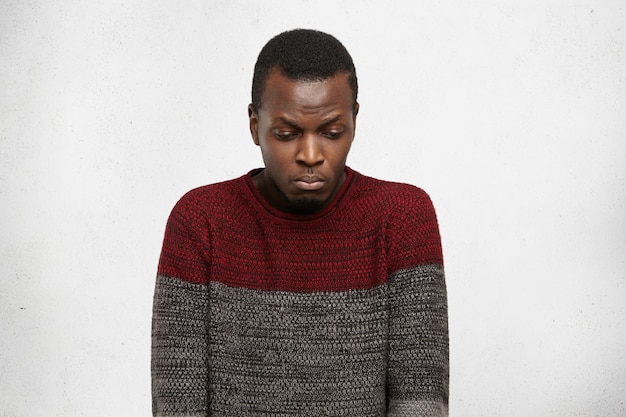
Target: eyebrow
(324, 123)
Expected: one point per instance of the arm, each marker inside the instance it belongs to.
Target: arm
(418, 370)
(179, 321)
(417, 375)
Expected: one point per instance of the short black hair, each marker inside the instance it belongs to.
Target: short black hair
(302, 55)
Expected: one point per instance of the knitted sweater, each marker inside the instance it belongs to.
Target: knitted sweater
(262, 313)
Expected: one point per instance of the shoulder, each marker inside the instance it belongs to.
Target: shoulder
(205, 200)
(410, 224)
(393, 197)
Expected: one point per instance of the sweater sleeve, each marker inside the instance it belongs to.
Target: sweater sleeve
(418, 365)
(179, 320)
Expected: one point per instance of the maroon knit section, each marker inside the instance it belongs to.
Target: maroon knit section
(224, 232)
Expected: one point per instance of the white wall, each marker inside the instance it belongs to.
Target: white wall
(512, 115)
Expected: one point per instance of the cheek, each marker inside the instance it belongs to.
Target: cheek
(275, 156)
(340, 153)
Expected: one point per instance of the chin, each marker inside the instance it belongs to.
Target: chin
(305, 205)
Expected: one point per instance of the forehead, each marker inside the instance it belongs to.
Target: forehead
(282, 93)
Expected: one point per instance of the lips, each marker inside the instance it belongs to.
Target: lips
(309, 183)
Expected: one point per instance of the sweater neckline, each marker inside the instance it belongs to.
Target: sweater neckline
(262, 205)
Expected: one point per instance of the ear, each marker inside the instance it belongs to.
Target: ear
(254, 123)
(354, 113)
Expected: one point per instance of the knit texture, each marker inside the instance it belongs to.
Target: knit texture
(341, 313)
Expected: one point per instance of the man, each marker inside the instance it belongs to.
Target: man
(303, 288)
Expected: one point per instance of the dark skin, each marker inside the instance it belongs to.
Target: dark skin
(305, 130)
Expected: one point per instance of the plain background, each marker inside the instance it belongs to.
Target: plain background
(512, 115)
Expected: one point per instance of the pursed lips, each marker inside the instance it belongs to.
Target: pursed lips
(309, 182)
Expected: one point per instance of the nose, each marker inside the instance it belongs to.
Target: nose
(309, 151)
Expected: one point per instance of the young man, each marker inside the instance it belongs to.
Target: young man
(303, 288)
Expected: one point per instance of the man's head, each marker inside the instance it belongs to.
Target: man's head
(302, 55)
(303, 116)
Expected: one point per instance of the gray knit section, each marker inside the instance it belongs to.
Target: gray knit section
(418, 339)
(424, 408)
(374, 352)
(179, 349)
(283, 353)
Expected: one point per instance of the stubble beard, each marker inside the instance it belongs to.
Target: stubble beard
(305, 205)
(301, 205)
